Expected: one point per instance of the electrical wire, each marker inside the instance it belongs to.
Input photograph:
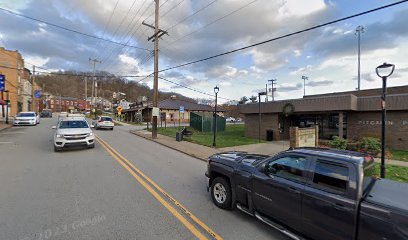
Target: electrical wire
(171, 9)
(193, 89)
(191, 15)
(216, 20)
(70, 30)
(285, 36)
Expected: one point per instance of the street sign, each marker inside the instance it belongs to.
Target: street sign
(155, 112)
(2, 82)
(181, 109)
(124, 104)
(37, 94)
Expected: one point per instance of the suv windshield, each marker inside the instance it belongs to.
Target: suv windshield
(73, 124)
(26, 115)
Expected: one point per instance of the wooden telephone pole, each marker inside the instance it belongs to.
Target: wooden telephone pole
(155, 38)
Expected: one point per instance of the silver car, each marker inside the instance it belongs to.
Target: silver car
(73, 132)
(26, 118)
(105, 122)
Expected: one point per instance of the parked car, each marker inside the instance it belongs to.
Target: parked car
(26, 118)
(323, 194)
(105, 122)
(46, 113)
(230, 119)
(73, 132)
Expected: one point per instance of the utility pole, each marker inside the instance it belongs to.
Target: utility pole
(157, 34)
(86, 92)
(272, 82)
(93, 79)
(32, 90)
(304, 84)
(359, 30)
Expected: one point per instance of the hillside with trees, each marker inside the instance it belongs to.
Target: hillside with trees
(72, 84)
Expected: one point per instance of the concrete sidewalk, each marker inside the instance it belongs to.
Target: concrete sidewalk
(4, 126)
(192, 149)
(202, 152)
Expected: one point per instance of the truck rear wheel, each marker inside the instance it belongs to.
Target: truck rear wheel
(221, 193)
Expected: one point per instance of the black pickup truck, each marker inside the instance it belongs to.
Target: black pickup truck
(312, 193)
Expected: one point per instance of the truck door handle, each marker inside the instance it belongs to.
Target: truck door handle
(293, 189)
(340, 206)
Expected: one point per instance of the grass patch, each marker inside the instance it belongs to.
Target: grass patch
(399, 155)
(232, 136)
(396, 173)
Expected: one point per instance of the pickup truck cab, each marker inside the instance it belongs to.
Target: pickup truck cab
(312, 193)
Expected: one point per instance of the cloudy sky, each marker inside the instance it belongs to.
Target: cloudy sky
(199, 29)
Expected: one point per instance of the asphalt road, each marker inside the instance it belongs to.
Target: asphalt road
(125, 188)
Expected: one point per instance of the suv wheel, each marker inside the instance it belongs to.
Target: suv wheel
(92, 145)
(57, 149)
(221, 193)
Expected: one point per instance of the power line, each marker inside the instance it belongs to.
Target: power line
(127, 35)
(216, 20)
(286, 35)
(70, 30)
(191, 15)
(178, 4)
(193, 89)
(107, 24)
(120, 25)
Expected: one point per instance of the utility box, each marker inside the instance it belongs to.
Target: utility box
(204, 121)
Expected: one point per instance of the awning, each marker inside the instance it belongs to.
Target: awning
(2, 102)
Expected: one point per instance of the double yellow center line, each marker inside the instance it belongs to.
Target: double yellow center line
(158, 193)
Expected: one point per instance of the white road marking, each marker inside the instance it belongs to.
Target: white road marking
(6, 142)
(9, 133)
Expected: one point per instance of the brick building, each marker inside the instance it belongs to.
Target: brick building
(18, 83)
(353, 115)
(62, 104)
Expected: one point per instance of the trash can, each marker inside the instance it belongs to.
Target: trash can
(269, 135)
(179, 136)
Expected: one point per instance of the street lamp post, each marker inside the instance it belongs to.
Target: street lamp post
(384, 71)
(359, 30)
(7, 106)
(216, 90)
(304, 84)
(259, 111)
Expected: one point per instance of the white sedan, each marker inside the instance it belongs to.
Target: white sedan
(26, 118)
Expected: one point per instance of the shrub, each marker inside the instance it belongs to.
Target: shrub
(370, 145)
(339, 143)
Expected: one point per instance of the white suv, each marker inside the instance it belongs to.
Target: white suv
(73, 132)
(104, 122)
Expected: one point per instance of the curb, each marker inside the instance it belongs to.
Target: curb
(7, 127)
(178, 150)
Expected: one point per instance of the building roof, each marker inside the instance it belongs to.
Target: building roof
(369, 100)
(191, 106)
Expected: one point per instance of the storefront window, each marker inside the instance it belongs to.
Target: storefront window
(328, 124)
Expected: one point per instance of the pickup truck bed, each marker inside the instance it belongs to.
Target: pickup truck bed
(383, 188)
(379, 213)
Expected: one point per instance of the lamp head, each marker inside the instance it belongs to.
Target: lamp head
(385, 70)
(216, 89)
